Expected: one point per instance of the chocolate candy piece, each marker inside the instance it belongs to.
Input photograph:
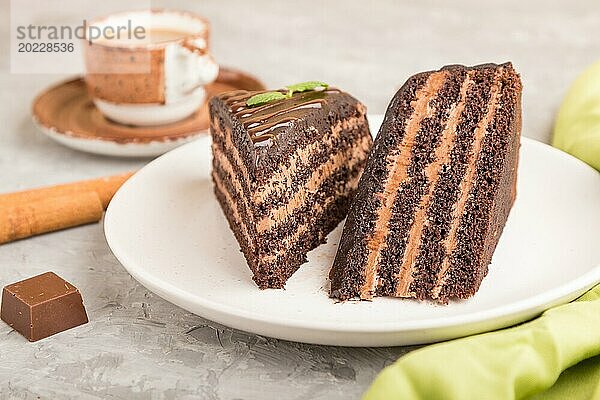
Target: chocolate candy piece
(42, 306)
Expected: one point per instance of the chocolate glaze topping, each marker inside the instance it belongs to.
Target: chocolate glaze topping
(266, 121)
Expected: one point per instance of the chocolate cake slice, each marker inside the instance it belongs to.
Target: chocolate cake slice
(437, 188)
(284, 171)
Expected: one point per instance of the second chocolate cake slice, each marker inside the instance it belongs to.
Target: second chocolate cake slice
(437, 189)
(285, 168)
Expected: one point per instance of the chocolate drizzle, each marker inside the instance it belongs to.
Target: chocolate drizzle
(265, 122)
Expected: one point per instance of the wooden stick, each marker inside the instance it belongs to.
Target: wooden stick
(51, 214)
(105, 187)
(36, 211)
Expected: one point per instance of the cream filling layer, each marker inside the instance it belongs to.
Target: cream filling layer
(281, 182)
(467, 184)
(231, 149)
(291, 240)
(355, 155)
(227, 167)
(234, 210)
(225, 164)
(432, 172)
(400, 161)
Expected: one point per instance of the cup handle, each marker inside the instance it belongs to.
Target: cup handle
(206, 65)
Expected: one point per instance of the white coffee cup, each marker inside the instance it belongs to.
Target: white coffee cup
(155, 71)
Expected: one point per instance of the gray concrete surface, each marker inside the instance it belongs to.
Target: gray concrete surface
(137, 346)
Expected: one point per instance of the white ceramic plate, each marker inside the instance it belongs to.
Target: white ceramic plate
(167, 229)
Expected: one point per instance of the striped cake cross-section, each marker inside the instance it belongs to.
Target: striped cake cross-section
(284, 173)
(437, 188)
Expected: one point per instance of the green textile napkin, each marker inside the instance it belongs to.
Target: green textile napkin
(514, 363)
(577, 127)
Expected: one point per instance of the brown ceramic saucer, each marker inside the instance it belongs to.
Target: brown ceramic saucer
(66, 113)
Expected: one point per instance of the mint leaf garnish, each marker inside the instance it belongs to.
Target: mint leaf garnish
(306, 86)
(267, 97)
(263, 98)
